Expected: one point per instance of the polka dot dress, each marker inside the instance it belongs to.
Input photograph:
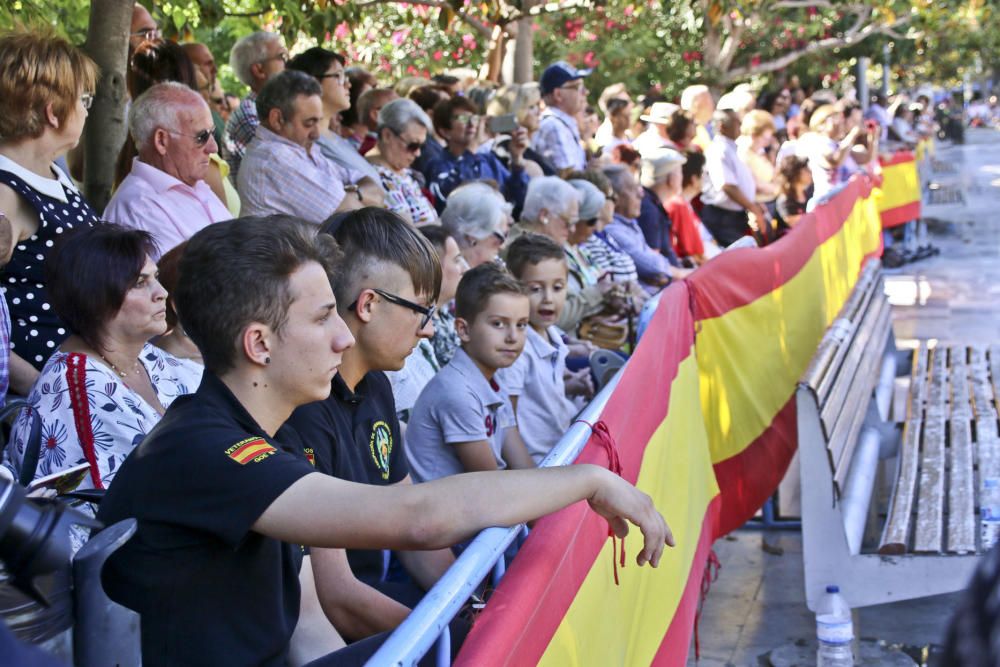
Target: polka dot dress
(36, 331)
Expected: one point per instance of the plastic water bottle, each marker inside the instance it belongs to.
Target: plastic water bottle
(834, 631)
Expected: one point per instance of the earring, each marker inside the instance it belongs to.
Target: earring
(267, 360)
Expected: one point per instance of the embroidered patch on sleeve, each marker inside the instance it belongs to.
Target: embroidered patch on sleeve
(310, 455)
(251, 449)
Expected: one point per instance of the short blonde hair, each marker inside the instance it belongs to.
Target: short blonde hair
(756, 123)
(822, 114)
(516, 98)
(38, 68)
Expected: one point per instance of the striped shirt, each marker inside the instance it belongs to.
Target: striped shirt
(605, 253)
(240, 129)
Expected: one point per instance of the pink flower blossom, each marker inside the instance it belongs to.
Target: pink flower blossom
(342, 31)
(437, 55)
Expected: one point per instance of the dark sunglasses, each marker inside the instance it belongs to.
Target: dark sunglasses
(200, 139)
(426, 311)
(590, 223)
(411, 146)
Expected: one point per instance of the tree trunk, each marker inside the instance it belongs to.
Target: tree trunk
(524, 51)
(104, 134)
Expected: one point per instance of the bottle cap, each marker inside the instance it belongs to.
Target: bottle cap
(833, 589)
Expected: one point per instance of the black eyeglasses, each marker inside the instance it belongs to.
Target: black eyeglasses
(411, 146)
(590, 223)
(340, 76)
(200, 139)
(426, 311)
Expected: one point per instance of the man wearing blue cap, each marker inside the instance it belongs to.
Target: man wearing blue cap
(558, 136)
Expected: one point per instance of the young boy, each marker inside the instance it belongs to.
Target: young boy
(536, 379)
(463, 420)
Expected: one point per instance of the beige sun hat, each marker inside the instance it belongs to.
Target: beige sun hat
(660, 113)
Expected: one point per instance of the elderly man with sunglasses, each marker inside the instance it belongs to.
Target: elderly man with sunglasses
(165, 192)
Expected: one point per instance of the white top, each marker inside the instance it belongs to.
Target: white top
(558, 140)
(544, 413)
(724, 167)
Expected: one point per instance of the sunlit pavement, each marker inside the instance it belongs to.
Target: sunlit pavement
(758, 604)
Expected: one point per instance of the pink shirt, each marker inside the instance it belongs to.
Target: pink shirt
(167, 208)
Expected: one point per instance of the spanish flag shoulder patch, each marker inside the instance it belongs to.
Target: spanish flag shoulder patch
(251, 449)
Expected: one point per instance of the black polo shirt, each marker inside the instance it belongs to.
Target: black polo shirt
(210, 590)
(354, 436)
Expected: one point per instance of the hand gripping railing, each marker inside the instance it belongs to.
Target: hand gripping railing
(429, 620)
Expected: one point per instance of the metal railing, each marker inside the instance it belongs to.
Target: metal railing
(428, 622)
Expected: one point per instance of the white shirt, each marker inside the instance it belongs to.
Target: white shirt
(724, 167)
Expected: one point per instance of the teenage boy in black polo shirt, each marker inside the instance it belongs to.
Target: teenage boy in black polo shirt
(389, 275)
(222, 505)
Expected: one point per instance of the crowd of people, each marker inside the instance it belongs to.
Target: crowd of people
(390, 284)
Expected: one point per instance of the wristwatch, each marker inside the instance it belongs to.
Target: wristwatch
(351, 187)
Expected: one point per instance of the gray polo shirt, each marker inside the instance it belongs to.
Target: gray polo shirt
(536, 378)
(458, 405)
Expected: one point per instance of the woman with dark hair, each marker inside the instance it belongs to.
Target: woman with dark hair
(794, 183)
(176, 340)
(106, 386)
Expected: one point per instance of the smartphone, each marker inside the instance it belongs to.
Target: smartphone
(504, 124)
(63, 481)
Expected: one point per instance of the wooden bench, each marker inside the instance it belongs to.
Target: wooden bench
(889, 503)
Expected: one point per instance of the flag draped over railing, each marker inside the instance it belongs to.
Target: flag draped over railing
(703, 420)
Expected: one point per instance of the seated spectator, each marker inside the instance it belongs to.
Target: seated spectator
(422, 364)
(523, 100)
(535, 381)
(669, 126)
(390, 276)
(551, 208)
(463, 420)
(165, 193)
(327, 67)
(691, 240)
(603, 252)
(661, 181)
(653, 268)
(585, 292)
(428, 97)
(106, 386)
(254, 60)
(257, 500)
(361, 134)
(755, 142)
(456, 121)
(402, 134)
(729, 210)
(697, 100)
(283, 169)
(46, 87)
(175, 341)
(478, 219)
(795, 183)
(217, 176)
(558, 138)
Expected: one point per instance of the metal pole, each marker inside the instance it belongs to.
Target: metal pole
(863, 95)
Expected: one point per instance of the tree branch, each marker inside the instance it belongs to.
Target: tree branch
(478, 25)
(856, 34)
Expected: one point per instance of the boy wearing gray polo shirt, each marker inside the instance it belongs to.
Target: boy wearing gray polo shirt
(463, 420)
(536, 380)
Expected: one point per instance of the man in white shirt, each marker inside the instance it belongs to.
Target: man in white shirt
(729, 190)
(558, 136)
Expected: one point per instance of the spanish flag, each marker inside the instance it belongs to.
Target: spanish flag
(245, 451)
(898, 197)
(704, 421)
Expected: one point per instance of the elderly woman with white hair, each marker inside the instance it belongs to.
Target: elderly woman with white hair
(478, 218)
(402, 131)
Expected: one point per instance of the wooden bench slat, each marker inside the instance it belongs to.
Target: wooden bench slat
(930, 498)
(961, 505)
(982, 389)
(851, 367)
(959, 394)
(896, 534)
(988, 453)
(918, 383)
(936, 403)
(857, 404)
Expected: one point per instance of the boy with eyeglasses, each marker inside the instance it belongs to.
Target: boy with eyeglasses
(390, 277)
(463, 420)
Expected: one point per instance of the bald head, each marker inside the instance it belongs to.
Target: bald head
(202, 59)
(143, 28)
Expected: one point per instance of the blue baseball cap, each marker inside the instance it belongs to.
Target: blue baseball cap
(559, 74)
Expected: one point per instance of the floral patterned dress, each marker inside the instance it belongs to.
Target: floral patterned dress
(404, 196)
(105, 427)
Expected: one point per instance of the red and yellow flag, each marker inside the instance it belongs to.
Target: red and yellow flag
(704, 421)
(898, 198)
